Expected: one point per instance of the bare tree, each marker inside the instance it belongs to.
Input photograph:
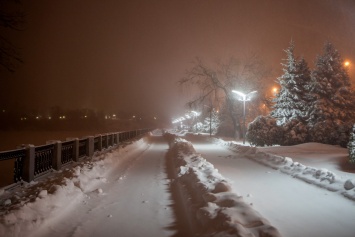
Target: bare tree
(10, 19)
(213, 85)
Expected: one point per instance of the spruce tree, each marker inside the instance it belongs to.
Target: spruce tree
(291, 102)
(212, 122)
(351, 146)
(303, 80)
(332, 110)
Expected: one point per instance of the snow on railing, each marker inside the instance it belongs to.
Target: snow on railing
(30, 162)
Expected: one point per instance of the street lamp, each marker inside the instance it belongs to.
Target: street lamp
(244, 97)
(274, 91)
(347, 63)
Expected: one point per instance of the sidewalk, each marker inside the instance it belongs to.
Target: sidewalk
(123, 193)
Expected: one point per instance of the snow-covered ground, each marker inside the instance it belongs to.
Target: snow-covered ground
(144, 189)
(294, 207)
(120, 193)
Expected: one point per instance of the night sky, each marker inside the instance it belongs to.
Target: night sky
(116, 55)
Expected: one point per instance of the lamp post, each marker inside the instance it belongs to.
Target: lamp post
(244, 97)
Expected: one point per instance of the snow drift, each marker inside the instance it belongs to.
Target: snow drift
(321, 177)
(213, 209)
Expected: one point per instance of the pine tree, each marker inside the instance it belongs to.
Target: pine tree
(332, 111)
(212, 123)
(291, 102)
(303, 80)
(351, 146)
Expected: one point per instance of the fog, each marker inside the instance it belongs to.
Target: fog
(128, 55)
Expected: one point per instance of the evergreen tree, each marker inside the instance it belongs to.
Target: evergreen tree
(291, 103)
(351, 146)
(332, 111)
(303, 80)
(212, 123)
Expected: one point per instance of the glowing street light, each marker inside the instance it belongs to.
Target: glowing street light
(244, 97)
(274, 90)
(347, 63)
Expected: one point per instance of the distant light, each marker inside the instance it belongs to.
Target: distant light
(347, 63)
(49, 117)
(3, 111)
(155, 117)
(37, 117)
(85, 116)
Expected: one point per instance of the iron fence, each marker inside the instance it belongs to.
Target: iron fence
(31, 161)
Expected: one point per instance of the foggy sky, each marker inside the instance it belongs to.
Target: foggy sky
(117, 55)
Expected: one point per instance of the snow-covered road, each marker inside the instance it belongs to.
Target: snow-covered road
(132, 201)
(291, 205)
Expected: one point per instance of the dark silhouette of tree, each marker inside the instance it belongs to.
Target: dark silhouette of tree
(10, 19)
(213, 84)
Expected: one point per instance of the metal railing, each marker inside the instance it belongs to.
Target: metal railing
(19, 157)
(30, 162)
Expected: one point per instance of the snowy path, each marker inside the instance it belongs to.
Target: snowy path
(134, 200)
(291, 205)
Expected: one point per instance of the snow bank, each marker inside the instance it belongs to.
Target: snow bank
(317, 176)
(24, 210)
(215, 209)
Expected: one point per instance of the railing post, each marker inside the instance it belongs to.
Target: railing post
(100, 142)
(106, 141)
(117, 138)
(90, 146)
(57, 156)
(29, 164)
(76, 150)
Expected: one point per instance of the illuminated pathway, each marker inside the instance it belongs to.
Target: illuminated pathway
(291, 205)
(134, 200)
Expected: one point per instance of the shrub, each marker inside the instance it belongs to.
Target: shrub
(264, 131)
(295, 132)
